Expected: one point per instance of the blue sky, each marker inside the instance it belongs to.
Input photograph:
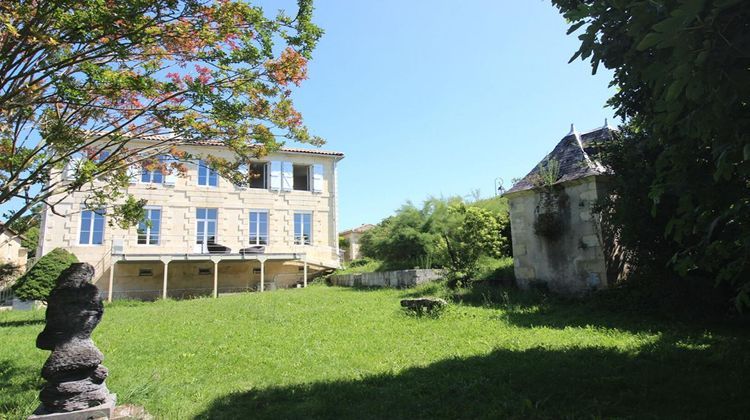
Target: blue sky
(442, 97)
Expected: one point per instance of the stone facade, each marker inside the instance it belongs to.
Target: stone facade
(143, 277)
(353, 236)
(11, 249)
(574, 262)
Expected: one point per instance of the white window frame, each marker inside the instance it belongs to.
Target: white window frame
(148, 232)
(294, 228)
(203, 164)
(265, 176)
(161, 159)
(205, 225)
(309, 174)
(92, 222)
(258, 234)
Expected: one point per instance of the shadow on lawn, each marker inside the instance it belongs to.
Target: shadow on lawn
(21, 323)
(668, 379)
(14, 381)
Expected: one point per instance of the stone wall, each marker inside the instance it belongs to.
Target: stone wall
(400, 279)
(572, 263)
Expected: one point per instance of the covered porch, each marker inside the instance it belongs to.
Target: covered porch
(153, 276)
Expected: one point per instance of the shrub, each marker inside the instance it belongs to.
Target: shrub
(38, 282)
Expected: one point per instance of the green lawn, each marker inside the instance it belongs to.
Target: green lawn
(336, 352)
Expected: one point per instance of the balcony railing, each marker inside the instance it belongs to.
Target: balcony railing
(186, 245)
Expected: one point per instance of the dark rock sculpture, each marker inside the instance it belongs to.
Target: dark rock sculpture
(74, 374)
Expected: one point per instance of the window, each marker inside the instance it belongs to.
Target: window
(206, 226)
(204, 271)
(145, 272)
(148, 228)
(259, 227)
(257, 175)
(301, 174)
(92, 227)
(207, 176)
(102, 156)
(302, 228)
(155, 175)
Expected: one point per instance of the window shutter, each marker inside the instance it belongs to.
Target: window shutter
(287, 176)
(70, 169)
(170, 178)
(317, 178)
(244, 169)
(275, 176)
(134, 171)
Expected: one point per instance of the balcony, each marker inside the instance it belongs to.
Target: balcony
(166, 249)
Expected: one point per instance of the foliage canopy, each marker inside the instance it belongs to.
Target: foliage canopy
(81, 81)
(446, 233)
(682, 69)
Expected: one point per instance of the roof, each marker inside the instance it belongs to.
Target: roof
(156, 137)
(358, 229)
(576, 154)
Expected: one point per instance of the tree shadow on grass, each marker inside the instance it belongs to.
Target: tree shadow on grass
(666, 380)
(16, 381)
(21, 323)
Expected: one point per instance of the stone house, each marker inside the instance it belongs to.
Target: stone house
(204, 235)
(12, 249)
(558, 241)
(352, 237)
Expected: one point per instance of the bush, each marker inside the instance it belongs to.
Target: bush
(38, 282)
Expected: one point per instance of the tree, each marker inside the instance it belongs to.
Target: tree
(444, 233)
(401, 241)
(466, 234)
(39, 281)
(684, 90)
(82, 80)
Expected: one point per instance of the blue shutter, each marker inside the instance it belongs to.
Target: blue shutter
(287, 176)
(317, 178)
(72, 167)
(244, 169)
(275, 176)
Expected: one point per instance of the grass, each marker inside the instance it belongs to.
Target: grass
(327, 352)
(364, 265)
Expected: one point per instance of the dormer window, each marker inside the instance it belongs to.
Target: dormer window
(207, 177)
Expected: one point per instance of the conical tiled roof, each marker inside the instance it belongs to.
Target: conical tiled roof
(576, 154)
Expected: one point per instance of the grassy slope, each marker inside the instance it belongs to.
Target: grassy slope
(335, 352)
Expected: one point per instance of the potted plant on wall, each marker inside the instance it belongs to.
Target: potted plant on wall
(548, 220)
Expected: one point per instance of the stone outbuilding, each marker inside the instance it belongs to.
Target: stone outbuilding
(11, 248)
(557, 240)
(352, 237)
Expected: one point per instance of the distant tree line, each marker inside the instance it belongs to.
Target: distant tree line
(444, 233)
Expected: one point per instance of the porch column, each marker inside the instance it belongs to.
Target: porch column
(165, 261)
(304, 270)
(216, 275)
(111, 280)
(262, 273)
